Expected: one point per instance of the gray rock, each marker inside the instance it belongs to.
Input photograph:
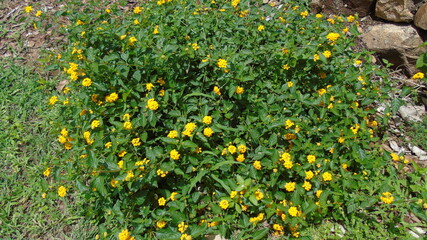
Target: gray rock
(395, 10)
(411, 113)
(421, 17)
(417, 151)
(398, 44)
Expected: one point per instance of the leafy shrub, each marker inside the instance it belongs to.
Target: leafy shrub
(185, 118)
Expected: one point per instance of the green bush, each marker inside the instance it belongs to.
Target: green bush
(186, 118)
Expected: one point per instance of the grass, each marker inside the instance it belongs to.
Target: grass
(26, 147)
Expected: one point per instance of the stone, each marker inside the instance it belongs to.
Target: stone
(345, 7)
(417, 151)
(421, 17)
(411, 113)
(399, 44)
(395, 10)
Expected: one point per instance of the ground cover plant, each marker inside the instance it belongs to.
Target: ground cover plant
(185, 118)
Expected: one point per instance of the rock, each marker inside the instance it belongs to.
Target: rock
(398, 44)
(411, 113)
(421, 17)
(417, 151)
(346, 7)
(339, 231)
(395, 10)
(396, 147)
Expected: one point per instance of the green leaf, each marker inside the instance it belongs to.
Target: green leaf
(168, 233)
(194, 181)
(272, 140)
(220, 164)
(225, 186)
(99, 184)
(197, 230)
(260, 234)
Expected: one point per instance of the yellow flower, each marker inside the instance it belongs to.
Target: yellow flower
(162, 173)
(122, 153)
(53, 100)
(261, 28)
(185, 236)
(286, 67)
(217, 90)
(208, 132)
(319, 15)
(419, 75)
(394, 157)
(162, 201)
(136, 22)
(189, 128)
(290, 186)
(125, 235)
(174, 154)
(332, 36)
(114, 183)
(318, 193)
(350, 18)
(259, 195)
(221, 63)
(224, 204)
(288, 164)
(112, 97)
(293, 211)
(195, 46)
(156, 30)
(38, 13)
(28, 9)
(387, 197)
(309, 175)
(304, 14)
(327, 54)
(172, 197)
(234, 3)
(62, 139)
(152, 104)
(136, 142)
(47, 172)
(172, 134)
(240, 90)
(240, 158)
(137, 10)
(120, 164)
(286, 157)
(132, 40)
(127, 125)
(94, 124)
(290, 84)
(232, 149)
(207, 120)
(241, 148)
(68, 146)
(257, 165)
(108, 144)
(311, 158)
(161, 224)
(149, 86)
(307, 186)
(233, 194)
(326, 176)
(123, 37)
(182, 227)
(129, 175)
(289, 124)
(62, 191)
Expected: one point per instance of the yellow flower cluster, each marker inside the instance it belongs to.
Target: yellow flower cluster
(173, 134)
(257, 165)
(152, 104)
(174, 154)
(256, 219)
(418, 75)
(189, 128)
(332, 36)
(326, 176)
(290, 186)
(182, 227)
(86, 136)
(221, 63)
(73, 71)
(125, 235)
(112, 97)
(311, 159)
(240, 90)
(224, 204)
(208, 132)
(217, 91)
(162, 173)
(162, 201)
(62, 191)
(387, 198)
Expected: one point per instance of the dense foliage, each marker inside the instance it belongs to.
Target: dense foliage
(186, 118)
